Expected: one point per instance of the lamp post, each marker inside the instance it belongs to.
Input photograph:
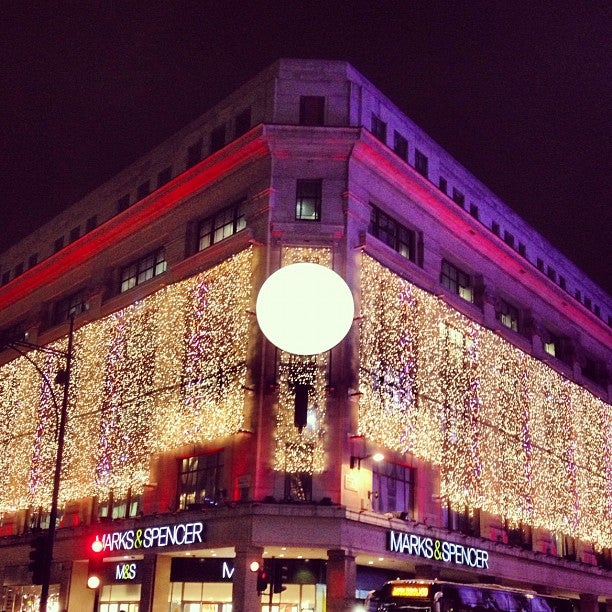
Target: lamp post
(63, 378)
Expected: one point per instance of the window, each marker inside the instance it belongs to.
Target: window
(123, 202)
(495, 228)
(144, 189)
(509, 239)
(400, 146)
(443, 185)
(38, 518)
(466, 521)
(91, 223)
(550, 272)
(508, 315)
(32, 260)
(473, 210)
(379, 128)
(194, 153)
(243, 122)
(217, 138)
(58, 245)
(18, 269)
(200, 480)
(558, 346)
(458, 197)
(6, 277)
(587, 302)
(392, 233)
(540, 264)
(522, 249)
(75, 233)
(456, 281)
(597, 311)
(595, 370)
(164, 176)
(308, 199)
(519, 535)
(224, 224)
(312, 110)
(562, 282)
(119, 507)
(142, 270)
(421, 163)
(72, 304)
(578, 295)
(298, 486)
(393, 489)
(14, 333)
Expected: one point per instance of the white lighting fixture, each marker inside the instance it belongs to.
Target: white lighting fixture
(305, 308)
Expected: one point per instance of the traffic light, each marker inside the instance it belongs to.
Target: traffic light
(96, 564)
(263, 580)
(281, 575)
(38, 558)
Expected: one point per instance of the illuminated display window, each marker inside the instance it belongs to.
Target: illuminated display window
(392, 233)
(308, 199)
(200, 480)
(143, 269)
(457, 281)
(223, 224)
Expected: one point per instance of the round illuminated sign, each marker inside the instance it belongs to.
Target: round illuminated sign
(305, 308)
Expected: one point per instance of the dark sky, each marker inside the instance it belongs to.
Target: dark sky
(518, 91)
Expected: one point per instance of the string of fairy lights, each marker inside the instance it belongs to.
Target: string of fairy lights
(507, 433)
(302, 452)
(162, 373)
(510, 436)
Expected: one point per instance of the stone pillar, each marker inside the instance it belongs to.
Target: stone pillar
(154, 573)
(341, 580)
(245, 597)
(161, 584)
(79, 596)
(588, 603)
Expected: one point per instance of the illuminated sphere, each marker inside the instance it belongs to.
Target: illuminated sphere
(305, 308)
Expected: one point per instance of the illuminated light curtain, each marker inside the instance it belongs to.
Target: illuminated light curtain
(508, 434)
(303, 451)
(135, 390)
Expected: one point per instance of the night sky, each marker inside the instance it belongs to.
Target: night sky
(518, 91)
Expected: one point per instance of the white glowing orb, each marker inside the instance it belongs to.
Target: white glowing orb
(305, 308)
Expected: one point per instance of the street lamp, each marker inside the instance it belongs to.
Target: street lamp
(62, 378)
